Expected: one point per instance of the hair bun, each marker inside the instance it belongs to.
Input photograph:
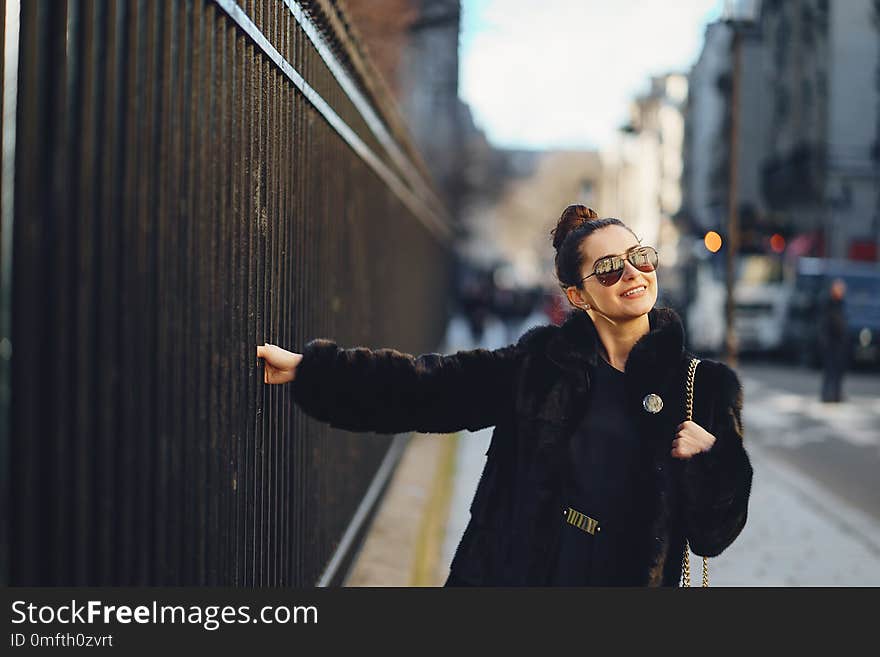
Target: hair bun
(572, 217)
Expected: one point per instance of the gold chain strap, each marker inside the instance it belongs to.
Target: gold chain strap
(689, 411)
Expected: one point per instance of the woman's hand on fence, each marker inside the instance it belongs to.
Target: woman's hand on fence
(691, 439)
(280, 364)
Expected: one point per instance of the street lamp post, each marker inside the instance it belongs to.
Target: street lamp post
(738, 15)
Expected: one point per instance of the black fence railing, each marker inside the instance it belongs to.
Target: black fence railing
(184, 180)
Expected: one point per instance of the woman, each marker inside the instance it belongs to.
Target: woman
(591, 478)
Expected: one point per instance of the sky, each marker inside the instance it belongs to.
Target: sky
(561, 73)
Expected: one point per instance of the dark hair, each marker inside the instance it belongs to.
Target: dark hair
(576, 223)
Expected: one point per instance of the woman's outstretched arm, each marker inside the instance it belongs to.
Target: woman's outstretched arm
(387, 391)
(717, 483)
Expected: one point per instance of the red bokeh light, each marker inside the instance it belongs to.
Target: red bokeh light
(777, 243)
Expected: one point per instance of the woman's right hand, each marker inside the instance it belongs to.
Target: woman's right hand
(280, 363)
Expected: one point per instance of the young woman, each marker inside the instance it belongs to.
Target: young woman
(592, 476)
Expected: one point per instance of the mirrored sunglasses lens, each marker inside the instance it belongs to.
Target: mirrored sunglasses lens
(609, 270)
(644, 259)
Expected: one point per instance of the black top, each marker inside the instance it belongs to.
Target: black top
(607, 481)
(833, 328)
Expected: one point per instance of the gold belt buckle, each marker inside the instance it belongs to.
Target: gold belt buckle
(581, 521)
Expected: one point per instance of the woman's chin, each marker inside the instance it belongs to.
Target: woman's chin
(630, 309)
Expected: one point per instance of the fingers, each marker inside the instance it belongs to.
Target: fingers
(679, 450)
(266, 352)
(683, 452)
(685, 447)
(270, 374)
(263, 352)
(279, 358)
(694, 433)
(280, 364)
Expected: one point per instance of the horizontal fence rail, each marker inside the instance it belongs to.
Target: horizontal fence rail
(184, 180)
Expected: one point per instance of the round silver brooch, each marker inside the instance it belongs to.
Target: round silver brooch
(652, 403)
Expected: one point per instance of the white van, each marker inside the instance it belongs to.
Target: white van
(762, 297)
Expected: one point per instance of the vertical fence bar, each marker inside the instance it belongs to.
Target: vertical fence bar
(10, 12)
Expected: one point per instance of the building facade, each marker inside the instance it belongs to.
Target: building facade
(414, 44)
(809, 120)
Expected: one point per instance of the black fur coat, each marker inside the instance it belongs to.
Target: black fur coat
(533, 393)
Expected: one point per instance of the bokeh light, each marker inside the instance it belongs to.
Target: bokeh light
(777, 243)
(712, 240)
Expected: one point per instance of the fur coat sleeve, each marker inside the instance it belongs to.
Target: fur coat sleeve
(717, 483)
(386, 391)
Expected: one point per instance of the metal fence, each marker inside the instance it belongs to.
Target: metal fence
(184, 180)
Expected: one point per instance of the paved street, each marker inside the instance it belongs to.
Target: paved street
(838, 445)
(815, 507)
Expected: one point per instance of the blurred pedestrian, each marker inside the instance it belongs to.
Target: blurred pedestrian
(475, 303)
(834, 342)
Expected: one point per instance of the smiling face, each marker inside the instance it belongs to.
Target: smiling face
(614, 240)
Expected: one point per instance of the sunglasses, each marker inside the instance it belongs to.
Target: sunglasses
(609, 270)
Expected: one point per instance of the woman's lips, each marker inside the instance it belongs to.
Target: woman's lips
(636, 295)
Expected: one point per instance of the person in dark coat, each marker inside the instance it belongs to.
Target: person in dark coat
(834, 342)
(592, 477)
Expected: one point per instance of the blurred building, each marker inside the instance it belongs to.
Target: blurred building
(852, 179)
(641, 173)
(414, 44)
(795, 39)
(521, 206)
(809, 121)
(503, 201)
(707, 126)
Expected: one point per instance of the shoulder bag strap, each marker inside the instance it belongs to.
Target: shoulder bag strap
(689, 411)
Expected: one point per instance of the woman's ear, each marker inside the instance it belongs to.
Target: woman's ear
(578, 298)
(588, 302)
